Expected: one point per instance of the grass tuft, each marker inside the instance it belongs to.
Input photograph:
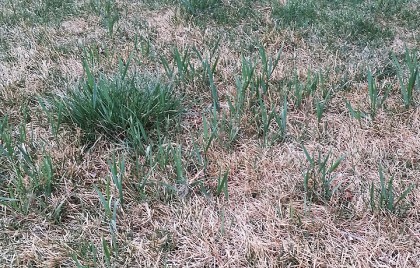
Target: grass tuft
(387, 198)
(115, 106)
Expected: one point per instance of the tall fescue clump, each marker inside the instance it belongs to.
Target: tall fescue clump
(118, 107)
(407, 84)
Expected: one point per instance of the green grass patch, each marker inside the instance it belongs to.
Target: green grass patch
(37, 12)
(118, 107)
(205, 12)
(354, 21)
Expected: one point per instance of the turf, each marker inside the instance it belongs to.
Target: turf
(209, 133)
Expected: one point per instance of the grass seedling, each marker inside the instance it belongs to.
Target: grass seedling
(320, 108)
(46, 175)
(407, 85)
(143, 45)
(28, 177)
(87, 252)
(266, 118)
(54, 119)
(308, 88)
(169, 69)
(373, 95)
(105, 201)
(183, 64)
(113, 227)
(357, 114)
(110, 15)
(387, 196)
(319, 181)
(214, 94)
(238, 105)
(107, 252)
(7, 147)
(209, 133)
(222, 185)
(268, 65)
(320, 104)
(117, 174)
(180, 178)
(282, 121)
(137, 136)
(298, 92)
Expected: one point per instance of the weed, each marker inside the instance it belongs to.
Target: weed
(301, 90)
(319, 181)
(108, 10)
(209, 132)
(388, 199)
(119, 108)
(357, 114)
(29, 178)
(213, 88)
(373, 95)
(54, 119)
(117, 174)
(407, 85)
(268, 64)
(179, 167)
(222, 185)
(105, 200)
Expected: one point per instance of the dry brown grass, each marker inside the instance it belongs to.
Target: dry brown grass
(266, 221)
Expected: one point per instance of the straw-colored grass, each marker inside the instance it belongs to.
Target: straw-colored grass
(223, 184)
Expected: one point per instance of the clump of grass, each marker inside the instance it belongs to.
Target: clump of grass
(388, 199)
(112, 106)
(319, 179)
(108, 10)
(28, 179)
(407, 85)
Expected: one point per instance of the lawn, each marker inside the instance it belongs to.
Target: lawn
(210, 133)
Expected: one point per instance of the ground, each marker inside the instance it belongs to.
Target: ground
(209, 133)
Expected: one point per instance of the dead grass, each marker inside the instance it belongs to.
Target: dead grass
(266, 221)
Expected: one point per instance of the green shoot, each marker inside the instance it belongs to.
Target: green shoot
(388, 199)
(407, 85)
(222, 185)
(319, 181)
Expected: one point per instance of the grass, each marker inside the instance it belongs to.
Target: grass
(119, 108)
(407, 86)
(357, 22)
(387, 197)
(202, 133)
(37, 12)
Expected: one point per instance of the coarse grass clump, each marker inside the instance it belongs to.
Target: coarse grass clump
(113, 106)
